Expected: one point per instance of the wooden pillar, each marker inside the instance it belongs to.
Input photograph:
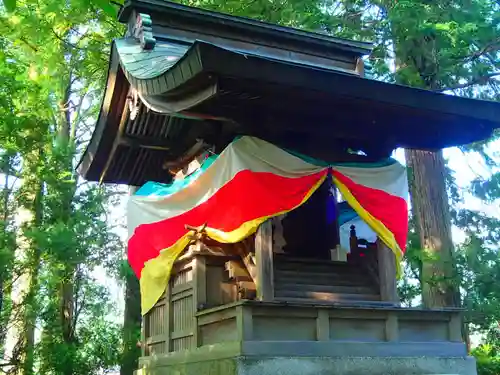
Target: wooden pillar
(264, 261)
(244, 323)
(387, 273)
(455, 328)
(323, 325)
(392, 327)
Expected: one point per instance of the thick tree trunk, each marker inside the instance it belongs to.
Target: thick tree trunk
(3, 268)
(432, 215)
(131, 322)
(131, 326)
(31, 306)
(429, 195)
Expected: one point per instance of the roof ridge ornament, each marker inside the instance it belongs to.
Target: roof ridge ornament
(142, 31)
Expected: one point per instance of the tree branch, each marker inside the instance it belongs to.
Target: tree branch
(480, 80)
(492, 46)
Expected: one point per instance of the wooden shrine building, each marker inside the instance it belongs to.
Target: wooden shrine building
(267, 221)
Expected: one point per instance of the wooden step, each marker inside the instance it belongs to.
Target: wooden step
(321, 278)
(348, 289)
(323, 282)
(342, 268)
(347, 303)
(321, 296)
(288, 259)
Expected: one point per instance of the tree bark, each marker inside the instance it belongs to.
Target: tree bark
(30, 302)
(429, 195)
(431, 210)
(131, 322)
(131, 326)
(6, 166)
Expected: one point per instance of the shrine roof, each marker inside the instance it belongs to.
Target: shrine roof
(207, 77)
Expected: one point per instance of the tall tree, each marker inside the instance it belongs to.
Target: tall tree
(432, 44)
(63, 48)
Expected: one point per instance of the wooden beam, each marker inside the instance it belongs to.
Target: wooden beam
(246, 256)
(360, 67)
(387, 273)
(264, 260)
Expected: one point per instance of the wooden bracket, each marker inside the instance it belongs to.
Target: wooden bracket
(198, 234)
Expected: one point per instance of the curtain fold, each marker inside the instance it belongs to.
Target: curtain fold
(233, 193)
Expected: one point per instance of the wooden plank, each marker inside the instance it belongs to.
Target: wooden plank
(326, 303)
(182, 295)
(181, 334)
(289, 311)
(323, 325)
(264, 260)
(182, 288)
(327, 296)
(216, 316)
(199, 293)
(348, 289)
(168, 318)
(387, 273)
(155, 339)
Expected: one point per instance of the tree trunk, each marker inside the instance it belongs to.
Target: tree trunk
(429, 195)
(30, 302)
(432, 215)
(131, 326)
(4, 270)
(131, 321)
(67, 313)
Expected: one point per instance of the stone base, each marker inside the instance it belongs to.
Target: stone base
(260, 359)
(356, 366)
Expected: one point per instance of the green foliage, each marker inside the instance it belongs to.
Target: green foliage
(52, 69)
(53, 63)
(9, 5)
(488, 360)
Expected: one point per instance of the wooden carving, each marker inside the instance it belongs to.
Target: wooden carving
(143, 31)
(133, 103)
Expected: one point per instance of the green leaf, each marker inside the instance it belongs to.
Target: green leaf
(10, 5)
(106, 6)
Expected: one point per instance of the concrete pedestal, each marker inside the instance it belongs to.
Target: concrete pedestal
(269, 358)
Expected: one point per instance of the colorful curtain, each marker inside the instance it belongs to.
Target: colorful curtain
(234, 192)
